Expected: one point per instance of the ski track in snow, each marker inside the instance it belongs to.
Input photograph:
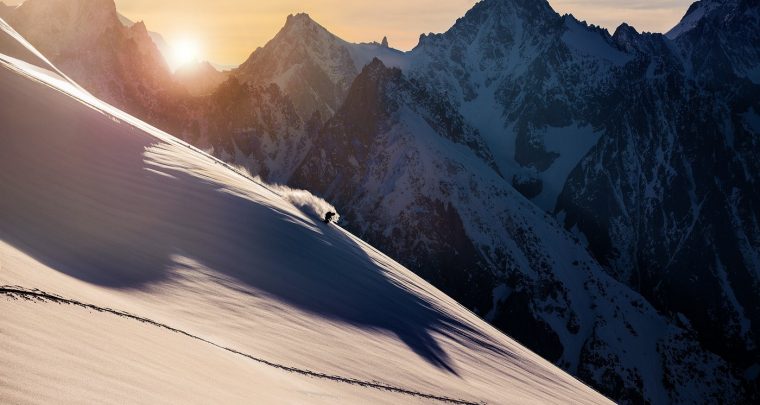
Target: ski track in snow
(16, 292)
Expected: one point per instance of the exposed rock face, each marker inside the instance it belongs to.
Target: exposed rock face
(311, 65)
(308, 63)
(664, 189)
(119, 62)
(525, 78)
(680, 160)
(121, 65)
(251, 126)
(404, 183)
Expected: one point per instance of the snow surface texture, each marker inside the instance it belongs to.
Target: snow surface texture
(102, 208)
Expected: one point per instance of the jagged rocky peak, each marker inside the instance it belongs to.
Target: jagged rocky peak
(492, 26)
(298, 20)
(376, 69)
(366, 100)
(299, 30)
(733, 27)
(644, 44)
(506, 17)
(139, 27)
(626, 37)
(302, 24)
(531, 10)
(705, 9)
(625, 31)
(384, 42)
(310, 64)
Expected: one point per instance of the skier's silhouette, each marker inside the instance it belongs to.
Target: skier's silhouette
(328, 217)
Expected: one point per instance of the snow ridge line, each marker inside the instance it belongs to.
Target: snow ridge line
(35, 294)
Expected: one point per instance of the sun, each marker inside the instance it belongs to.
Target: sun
(184, 51)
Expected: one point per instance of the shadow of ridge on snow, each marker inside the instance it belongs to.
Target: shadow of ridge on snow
(80, 196)
(38, 296)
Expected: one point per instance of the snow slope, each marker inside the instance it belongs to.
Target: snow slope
(101, 208)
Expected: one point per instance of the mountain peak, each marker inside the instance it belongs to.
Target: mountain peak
(375, 69)
(625, 30)
(139, 27)
(534, 8)
(298, 20)
(499, 20)
(299, 27)
(702, 9)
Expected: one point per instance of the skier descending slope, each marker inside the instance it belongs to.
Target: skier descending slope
(328, 217)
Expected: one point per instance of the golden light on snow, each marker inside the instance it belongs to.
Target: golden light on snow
(185, 51)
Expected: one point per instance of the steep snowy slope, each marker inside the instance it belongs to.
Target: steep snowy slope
(402, 167)
(103, 209)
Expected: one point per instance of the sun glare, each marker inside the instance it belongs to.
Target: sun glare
(184, 52)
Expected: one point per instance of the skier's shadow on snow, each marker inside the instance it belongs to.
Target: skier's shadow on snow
(90, 204)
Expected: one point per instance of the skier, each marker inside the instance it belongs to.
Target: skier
(328, 217)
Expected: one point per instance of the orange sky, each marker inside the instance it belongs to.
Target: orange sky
(227, 31)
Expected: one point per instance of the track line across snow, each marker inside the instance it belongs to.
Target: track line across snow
(15, 292)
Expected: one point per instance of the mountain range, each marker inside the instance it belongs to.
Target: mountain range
(138, 269)
(593, 195)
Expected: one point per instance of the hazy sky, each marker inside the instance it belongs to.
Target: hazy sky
(227, 31)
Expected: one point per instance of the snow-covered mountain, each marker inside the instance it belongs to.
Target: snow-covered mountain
(523, 76)
(311, 65)
(679, 156)
(654, 136)
(413, 178)
(472, 163)
(252, 126)
(136, 268)
(723, 41)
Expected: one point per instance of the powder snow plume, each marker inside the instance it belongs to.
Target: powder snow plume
(305, 201)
